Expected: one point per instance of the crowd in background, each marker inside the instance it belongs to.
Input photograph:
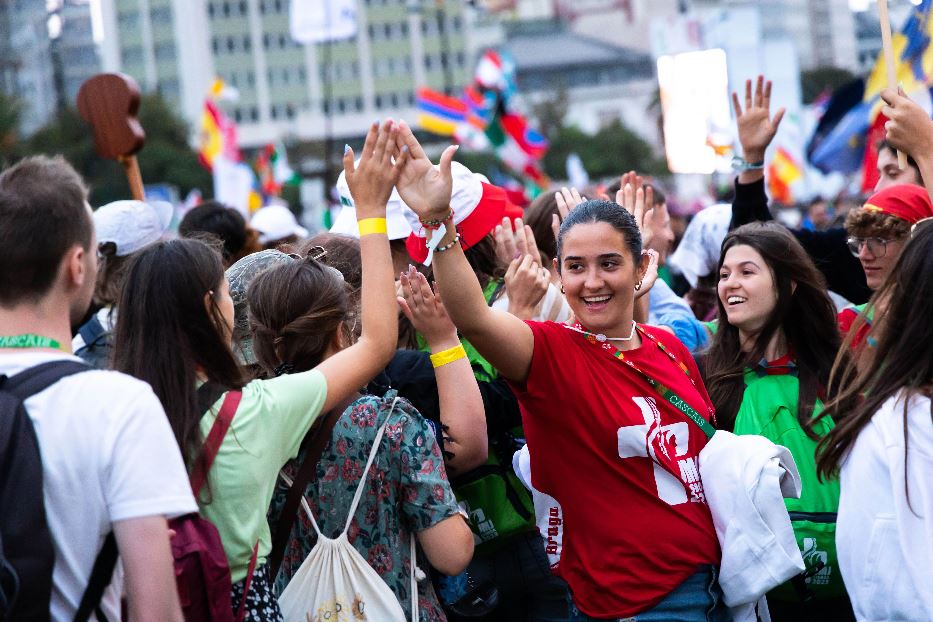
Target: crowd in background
(449, 407)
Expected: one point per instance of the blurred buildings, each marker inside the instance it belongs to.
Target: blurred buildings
(598, 82)
(286, 89)
(46, 51)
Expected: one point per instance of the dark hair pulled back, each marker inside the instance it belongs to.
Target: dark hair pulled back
(609, 212)
(295, 309)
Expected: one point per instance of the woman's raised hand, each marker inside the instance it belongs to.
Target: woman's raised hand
(526, 283)
(755, 124)
(637, 202)
(424, 188)
(424, 309)
(513, 244)
(371, 181)
(567, 199)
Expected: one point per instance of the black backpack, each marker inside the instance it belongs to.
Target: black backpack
(27, 554)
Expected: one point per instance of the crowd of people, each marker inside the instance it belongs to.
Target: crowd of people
(450, 408)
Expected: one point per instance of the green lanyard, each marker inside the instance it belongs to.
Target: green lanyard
(668, 395)
(29, 341)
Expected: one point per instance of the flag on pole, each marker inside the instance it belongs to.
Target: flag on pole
(839, 142)
(782, 173)
(218, 136)
(439, 113)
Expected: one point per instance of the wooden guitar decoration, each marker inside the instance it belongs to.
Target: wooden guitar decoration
(109, 102)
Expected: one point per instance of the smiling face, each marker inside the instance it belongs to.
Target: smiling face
(599, 275)
(746, 289)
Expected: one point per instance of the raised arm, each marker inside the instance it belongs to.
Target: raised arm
(460, 402)
(503, 340)
(756, 129)
(370, 185)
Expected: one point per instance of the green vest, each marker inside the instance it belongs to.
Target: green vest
(769, 408)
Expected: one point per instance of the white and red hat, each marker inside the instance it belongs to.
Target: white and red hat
(478, 207)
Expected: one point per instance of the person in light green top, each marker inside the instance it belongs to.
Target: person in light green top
(175, 331)
(767, 371)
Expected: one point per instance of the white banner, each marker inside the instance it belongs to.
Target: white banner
(313, 21)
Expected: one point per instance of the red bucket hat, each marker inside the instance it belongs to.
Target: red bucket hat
(905, 201)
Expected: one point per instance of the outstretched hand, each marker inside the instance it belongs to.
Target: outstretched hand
(526, 283)
(514, 244)
(371, 181)
(424, 309)
(756, 126)
(567, 199)
(426, 189)
(639, 203)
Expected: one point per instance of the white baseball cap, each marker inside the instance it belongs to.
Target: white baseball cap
(132, 225)
(397, 225)
(275, 222)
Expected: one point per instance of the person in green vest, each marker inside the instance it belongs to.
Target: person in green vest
(767, 371)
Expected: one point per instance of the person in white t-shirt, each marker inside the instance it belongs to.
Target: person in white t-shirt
(109, 458)
(882, 446)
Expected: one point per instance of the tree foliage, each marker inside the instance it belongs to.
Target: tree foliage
(166, 157)
(610, 152)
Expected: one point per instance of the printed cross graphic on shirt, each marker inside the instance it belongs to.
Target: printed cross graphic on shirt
(672, 441)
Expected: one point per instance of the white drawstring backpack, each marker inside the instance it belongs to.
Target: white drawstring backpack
(335, 583)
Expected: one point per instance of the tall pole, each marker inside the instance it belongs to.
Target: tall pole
(445, 46)
(328, 101)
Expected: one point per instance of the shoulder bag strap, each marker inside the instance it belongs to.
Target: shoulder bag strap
(100, 578)
(214, 438)
(369, 463)
(297, 489)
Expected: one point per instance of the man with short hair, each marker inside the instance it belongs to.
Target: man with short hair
(109, 459)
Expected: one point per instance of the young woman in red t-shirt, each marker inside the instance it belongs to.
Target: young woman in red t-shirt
(622, 462)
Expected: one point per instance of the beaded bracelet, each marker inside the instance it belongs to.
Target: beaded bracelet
(432, 225)
(449, 245)
(448, 356)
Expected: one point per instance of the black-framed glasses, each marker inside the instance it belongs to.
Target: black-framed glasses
(876, 246)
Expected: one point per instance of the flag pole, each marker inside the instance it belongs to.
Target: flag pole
(888, 49)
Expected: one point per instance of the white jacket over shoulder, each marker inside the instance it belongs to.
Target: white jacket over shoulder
(746, 479)
(884, 543)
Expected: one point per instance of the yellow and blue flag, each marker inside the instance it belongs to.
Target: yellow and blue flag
(838, 143)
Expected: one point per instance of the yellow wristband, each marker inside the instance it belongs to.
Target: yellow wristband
(372, 225)
(448, 356)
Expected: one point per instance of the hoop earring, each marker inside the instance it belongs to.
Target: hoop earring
(562, 288)
(638, 287)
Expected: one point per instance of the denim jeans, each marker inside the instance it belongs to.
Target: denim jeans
(697, 599)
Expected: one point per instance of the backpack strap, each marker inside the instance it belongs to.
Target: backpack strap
(369, 463)
(100, 578)
(214, 439)
(295, 492)
(37, 379)
(92, 331)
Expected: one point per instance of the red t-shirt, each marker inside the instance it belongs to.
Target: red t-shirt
(632, 530)
(846, 319)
